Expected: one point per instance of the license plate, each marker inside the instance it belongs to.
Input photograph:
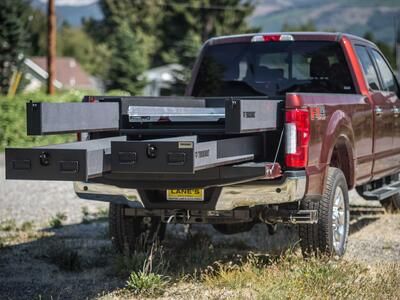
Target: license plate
(185, 194)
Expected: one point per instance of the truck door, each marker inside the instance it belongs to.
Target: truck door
(382, 114)
(391, 93)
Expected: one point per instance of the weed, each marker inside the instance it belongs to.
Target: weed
(27, 226)
(86, 215)
(292, 277)
(149, 284)
(57, 221)
(102, 213)
(146, 271)
(89, 217)
(64, 257)
(8, 225)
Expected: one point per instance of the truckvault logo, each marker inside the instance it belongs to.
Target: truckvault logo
(249, 114)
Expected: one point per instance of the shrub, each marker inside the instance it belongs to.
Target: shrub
(56, 222)
(13, 120)
(149, 284)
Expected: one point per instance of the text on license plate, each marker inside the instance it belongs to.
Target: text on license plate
(186, 194)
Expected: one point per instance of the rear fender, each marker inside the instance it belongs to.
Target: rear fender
(339, 133)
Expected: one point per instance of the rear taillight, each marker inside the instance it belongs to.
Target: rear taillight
(297, 129)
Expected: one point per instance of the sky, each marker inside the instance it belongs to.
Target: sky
(72, 2)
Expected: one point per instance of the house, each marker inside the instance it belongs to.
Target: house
(164, 81)
(69, 75)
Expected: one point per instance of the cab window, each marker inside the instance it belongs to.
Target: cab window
(388, 80)
(368, 67)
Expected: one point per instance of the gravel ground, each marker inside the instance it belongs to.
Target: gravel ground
(28, 267)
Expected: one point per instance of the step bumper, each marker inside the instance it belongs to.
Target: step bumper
(290, 188)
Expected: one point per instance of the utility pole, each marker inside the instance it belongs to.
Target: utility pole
(51, 46)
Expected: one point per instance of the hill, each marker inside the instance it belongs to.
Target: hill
(352, 16)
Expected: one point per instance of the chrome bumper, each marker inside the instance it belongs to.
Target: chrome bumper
(292, 189)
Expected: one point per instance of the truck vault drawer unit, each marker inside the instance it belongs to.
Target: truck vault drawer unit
(144, 135)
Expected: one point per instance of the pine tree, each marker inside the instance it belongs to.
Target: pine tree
(13, 38)
(129, 30)
(188, 23)
(128, 61)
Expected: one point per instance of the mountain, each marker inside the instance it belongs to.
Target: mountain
(351, 16)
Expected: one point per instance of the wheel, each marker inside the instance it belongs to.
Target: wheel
(133, 233)
(329, 235)
(392, 204)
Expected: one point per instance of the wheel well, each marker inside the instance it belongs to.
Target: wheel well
(342, 159)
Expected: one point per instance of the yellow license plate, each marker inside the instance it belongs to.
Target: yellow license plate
(185, 194)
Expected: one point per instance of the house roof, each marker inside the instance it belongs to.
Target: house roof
(69, 73)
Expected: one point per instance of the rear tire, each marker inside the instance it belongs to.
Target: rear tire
(392, 204)
(329, 236)
(133, 233)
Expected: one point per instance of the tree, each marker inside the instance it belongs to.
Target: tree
(94, 57)
(127, 62)
(388, 51)
(129, 30)
(188, 23)
(13, 39)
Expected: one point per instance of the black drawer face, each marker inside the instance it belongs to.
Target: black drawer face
(46, 164)
(76, 161)
(152, 157)
(180, 155)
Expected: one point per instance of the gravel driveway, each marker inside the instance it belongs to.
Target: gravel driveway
(27, 269)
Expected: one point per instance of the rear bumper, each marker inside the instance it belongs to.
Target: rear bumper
(290, 188)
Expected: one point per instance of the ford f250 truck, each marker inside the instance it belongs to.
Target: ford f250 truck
(274, 128)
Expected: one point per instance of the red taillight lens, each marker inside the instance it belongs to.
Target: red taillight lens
(272, 38)
(297, 128)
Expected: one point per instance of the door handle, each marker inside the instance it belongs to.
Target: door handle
(378, 111)
(395, 111)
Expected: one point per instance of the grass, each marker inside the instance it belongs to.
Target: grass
(292, 277)
(8, 225)
(146, 271)
(57, 220)
(11, 225)
(146, 284)
(88, 217)
(64, 257)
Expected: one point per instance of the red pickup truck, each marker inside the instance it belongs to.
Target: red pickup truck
(307, 116)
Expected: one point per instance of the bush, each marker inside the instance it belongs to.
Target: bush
(149, 284)
(13, 120)
(56, 222)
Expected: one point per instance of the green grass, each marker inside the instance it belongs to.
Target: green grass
(57, 220)
(89, 217)
(146, 284)
(292, 277)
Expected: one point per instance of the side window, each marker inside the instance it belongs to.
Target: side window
(369, 71)
(388, 79)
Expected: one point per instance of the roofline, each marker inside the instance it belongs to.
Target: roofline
(41, 72)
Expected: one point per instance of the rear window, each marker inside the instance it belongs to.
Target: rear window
(272, 69)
